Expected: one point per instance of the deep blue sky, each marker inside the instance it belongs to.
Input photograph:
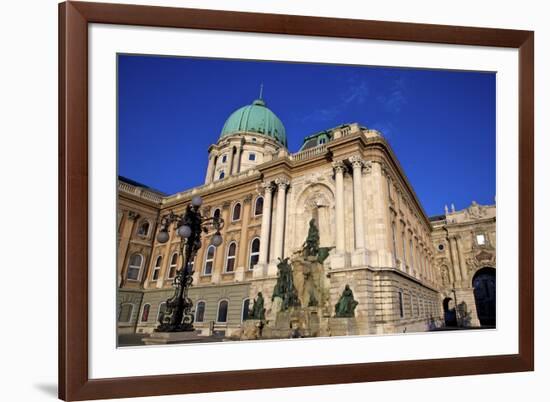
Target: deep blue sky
(441, 124)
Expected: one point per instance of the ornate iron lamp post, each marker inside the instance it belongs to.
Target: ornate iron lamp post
(189, 226)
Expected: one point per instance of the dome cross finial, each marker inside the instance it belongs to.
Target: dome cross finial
(261, 90)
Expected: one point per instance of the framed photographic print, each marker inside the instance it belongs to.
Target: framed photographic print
(259, 200)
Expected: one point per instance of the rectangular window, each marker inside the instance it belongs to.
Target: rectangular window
(401, 304)
(156, 273)
(404, 248)
(480, 238)
(133, 273)
(394, 246)
(251, 157)
(208, 268)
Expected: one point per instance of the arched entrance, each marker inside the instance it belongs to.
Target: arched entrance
(484, 283)
(450, 312)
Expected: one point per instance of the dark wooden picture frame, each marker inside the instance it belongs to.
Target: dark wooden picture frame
(74, 382)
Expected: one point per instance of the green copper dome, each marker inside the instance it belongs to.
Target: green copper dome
(256, 118)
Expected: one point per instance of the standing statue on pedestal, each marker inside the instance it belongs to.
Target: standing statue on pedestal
(284, 288)
(346, 305)
(258, 310)
(311, 248)
(311, 245)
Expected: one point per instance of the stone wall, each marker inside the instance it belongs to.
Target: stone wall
(133, 298)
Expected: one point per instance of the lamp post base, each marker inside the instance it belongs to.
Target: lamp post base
(166, 338)
(175, 328)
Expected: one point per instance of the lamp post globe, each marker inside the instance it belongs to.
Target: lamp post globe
(216, 240)
(184, 231)
(196, 201)
(162, 236)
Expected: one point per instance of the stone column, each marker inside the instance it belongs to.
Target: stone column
(237, 161)
(399, 240)
(462, 263)
(357, 164)
(339, 169)
(219, 257)
(210, 170)
(454, 260)
(229, 163)
(167, 253)
(266, 223)
(127, 229)
(242, 263)
(282, 183)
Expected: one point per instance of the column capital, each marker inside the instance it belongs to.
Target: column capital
(268, 187)
(339, 166)
(282, 182)
(226, 204)
(356, 161)
(132, 215)
(247, 199)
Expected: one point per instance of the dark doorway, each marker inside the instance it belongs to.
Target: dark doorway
(484, 283)
(450, 312)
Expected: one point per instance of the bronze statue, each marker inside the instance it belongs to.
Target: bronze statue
(311, 245)
(346, 305)
(284, 288)
(258, 310)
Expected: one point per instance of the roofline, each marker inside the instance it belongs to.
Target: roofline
(138, 184)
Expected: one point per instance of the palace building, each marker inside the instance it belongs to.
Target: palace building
(408, 272)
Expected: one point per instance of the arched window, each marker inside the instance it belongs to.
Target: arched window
(162, 309)
(246, 308)
(134, 267)
(222, 311)
(216, 213)
(254, 252)
(236, 212)
(199, 313)
(222, 175)
(143, 229)
(230, 260)
(145, 312)
(156, 268)
(125, 314)
(259, 206)
(209, 260)
(173, 265)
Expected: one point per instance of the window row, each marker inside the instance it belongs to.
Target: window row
(127, 309)
(231, 257)
(417, 306)
(411, 255)
(251, 156)
(237, 210)
(135, 262)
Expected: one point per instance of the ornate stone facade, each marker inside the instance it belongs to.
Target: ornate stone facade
(465, 246)
(380, 241)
